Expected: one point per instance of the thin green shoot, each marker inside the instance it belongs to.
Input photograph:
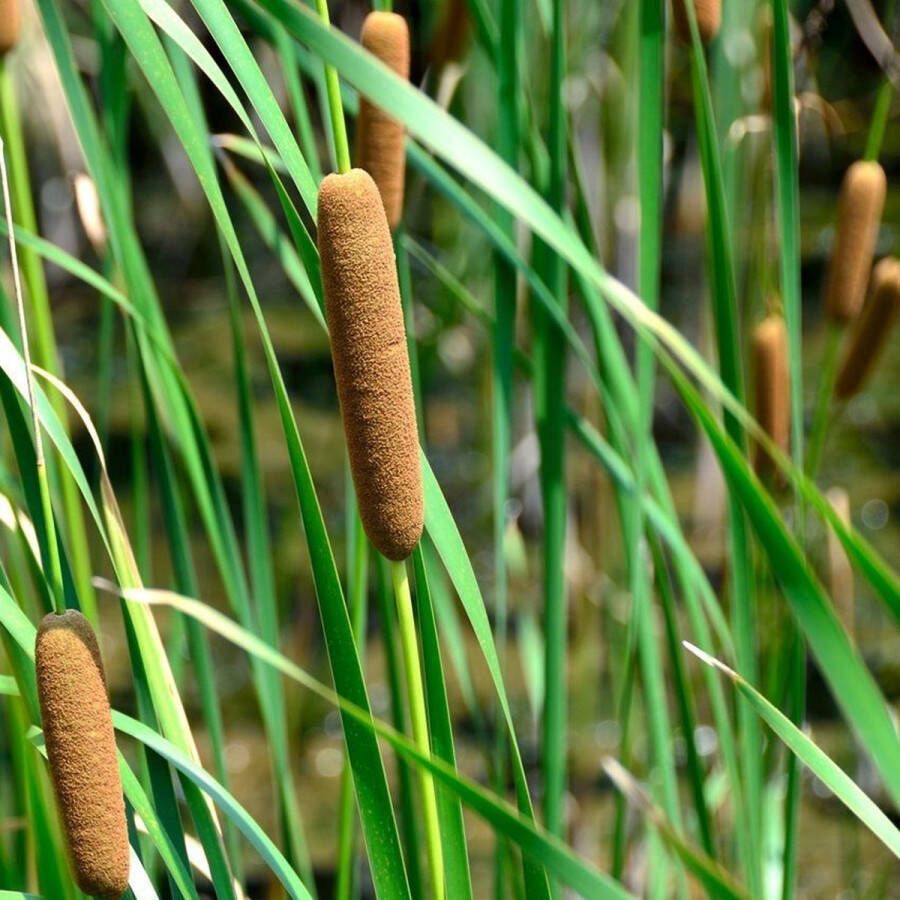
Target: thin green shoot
(419, 718)
(335, 104)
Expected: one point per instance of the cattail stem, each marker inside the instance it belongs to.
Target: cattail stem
(882, 104)
(416, 699)
(822, 409)
(335, 104)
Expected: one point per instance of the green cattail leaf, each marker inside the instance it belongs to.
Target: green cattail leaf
(813, 757)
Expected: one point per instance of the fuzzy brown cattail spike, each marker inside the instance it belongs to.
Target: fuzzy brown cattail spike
(10, 21)
(859, 215)
(770, 364)
(870, 333)
(81, 749)
(380, 139)
(709, 18)
(371, 364)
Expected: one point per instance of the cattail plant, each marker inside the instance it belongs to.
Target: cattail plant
(709, 18)
(10, 23)
(859, 215)
(379, 137)
(871, 330)
(772, 383)
(81, 750)
(371, 362)
(371, 366)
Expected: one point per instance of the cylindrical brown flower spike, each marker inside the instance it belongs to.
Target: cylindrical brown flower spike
(10, 22)
(872, 328)
(81, 750)
(709, 19)
(371, 363)
(380, 139)
(859, 215)
(773, 404)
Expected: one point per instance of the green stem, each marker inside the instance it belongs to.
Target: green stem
(822, 409)
(505, 281)
(418, 716)
(335, 104)
(882, 103)
(792, 799)
(550, 358)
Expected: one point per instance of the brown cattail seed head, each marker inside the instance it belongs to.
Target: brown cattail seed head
(770, 364)
(870, 333)
(81, 749)
(379, 138)
(859, 215)
(709, 18)
(10, 22)
(371, 363)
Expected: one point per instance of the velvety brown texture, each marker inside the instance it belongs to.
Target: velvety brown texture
(770, 365)
(10, 22)
(371, 363)
(380, 139)
(859, 215)
(81, 749)
(871, 330)
(709, 18)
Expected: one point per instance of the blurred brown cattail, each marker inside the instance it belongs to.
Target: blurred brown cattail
(380, 139)
(709, 18)
(10, 23)
(773, 404)
(451, 34)
(840, 572)
(859, 215)
(371, 364)
(871, 330)
(81, 750)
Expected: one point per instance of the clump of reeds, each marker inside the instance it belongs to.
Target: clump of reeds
(371, 361)
(772, 384)
(10, 23)
(859, 215)
(380, 138)
(81, 750)
(871, 329)
(709, 19)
